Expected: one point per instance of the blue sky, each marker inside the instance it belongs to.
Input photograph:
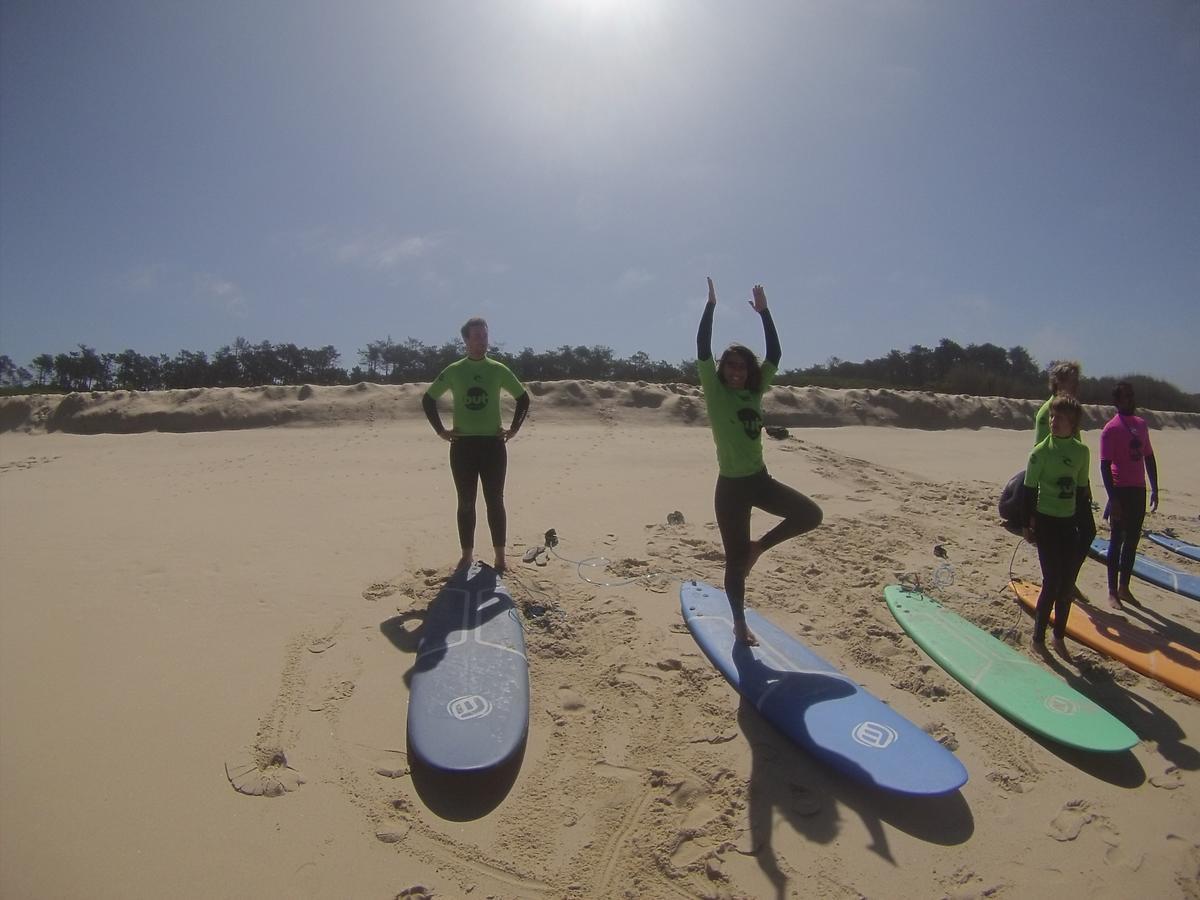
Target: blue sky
(175, 175)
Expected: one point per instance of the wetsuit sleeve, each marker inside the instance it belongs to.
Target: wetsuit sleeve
(774, 351)
(519, 413)
(1152, 472)
(704, 335)
(431, 413)
(1029, 488)
(1106, 475)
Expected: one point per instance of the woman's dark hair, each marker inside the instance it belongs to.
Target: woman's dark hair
(753, 369)
(1122, 387)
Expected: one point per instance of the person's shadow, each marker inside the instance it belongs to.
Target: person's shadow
(805, 791)
(1147, 720)
(458, 618)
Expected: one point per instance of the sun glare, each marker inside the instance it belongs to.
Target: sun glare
(603, 12)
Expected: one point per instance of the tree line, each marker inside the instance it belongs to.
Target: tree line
(976, 369)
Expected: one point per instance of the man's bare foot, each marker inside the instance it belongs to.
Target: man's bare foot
(1077, 594)
(1060, 647)
(464, 562)
(1127, 597)
(499, 565)
(752, 555)
(1038, 647)
(1114, 602)
(744, 635)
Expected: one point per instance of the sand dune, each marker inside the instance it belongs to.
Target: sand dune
(221, 409)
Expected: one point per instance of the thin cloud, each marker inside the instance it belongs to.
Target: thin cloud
(384, 252)
(633, 279)
(143, 279)
(222, 293)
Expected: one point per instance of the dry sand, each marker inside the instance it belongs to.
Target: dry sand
(176, 608)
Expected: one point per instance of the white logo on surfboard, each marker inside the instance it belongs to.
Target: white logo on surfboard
(1058, 704)
(472, 707)
(874, 735)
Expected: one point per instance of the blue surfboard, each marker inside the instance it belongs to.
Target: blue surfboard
(1157, 573)
(468, 706)
(1183, 548)
(819, 708)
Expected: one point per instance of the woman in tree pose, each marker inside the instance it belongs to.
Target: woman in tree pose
(733, 392)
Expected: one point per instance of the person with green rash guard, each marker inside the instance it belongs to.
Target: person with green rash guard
(477, 438)
(1055, 500)
(733, 392)
(1064, 379)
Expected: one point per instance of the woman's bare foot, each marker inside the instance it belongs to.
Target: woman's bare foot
(1124, 594)
(1077, 594)
(1038, 647)
(465, 562)
(752, 555)
(744, 635)
(1114, 602)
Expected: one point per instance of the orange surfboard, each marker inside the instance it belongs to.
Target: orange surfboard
(1143, 650)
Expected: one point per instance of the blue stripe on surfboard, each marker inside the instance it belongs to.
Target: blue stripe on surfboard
(1154, 572)
(819, 708)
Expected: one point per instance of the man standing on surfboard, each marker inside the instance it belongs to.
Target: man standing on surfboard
(477, 439)
(733, 392)
(1126, 458)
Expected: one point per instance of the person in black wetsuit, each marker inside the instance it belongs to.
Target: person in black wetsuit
(733, 392)
(477, 439)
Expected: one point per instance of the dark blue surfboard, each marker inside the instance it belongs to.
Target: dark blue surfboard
(819, 708)
(1183, 548)
(468, 706)
(1157, 573)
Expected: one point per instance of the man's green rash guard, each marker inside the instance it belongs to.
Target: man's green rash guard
(1057, 468)
(476, 384)
(736, 419)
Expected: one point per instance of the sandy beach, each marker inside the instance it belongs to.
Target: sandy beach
(202, 596)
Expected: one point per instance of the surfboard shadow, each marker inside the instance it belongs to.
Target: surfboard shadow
(464, 796)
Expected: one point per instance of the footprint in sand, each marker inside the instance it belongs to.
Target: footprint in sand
(1070, 820)
(571, 700)
(1168, 780)
(265, 775)
(379, 591)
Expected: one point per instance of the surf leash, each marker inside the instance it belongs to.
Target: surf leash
(591, 562)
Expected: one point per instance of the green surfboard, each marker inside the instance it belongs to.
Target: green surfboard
(1009, 682)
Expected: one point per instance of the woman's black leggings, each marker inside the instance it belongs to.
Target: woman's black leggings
(1126, 532)
(735, 498)
(1058, 552)
(474, 460)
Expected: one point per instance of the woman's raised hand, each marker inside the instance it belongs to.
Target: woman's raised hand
(759, 303)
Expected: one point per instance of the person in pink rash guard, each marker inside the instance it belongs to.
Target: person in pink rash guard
(1126, 458)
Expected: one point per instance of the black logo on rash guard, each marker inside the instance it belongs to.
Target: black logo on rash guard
(477, 398)
(751, 422)
(1066, 487)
